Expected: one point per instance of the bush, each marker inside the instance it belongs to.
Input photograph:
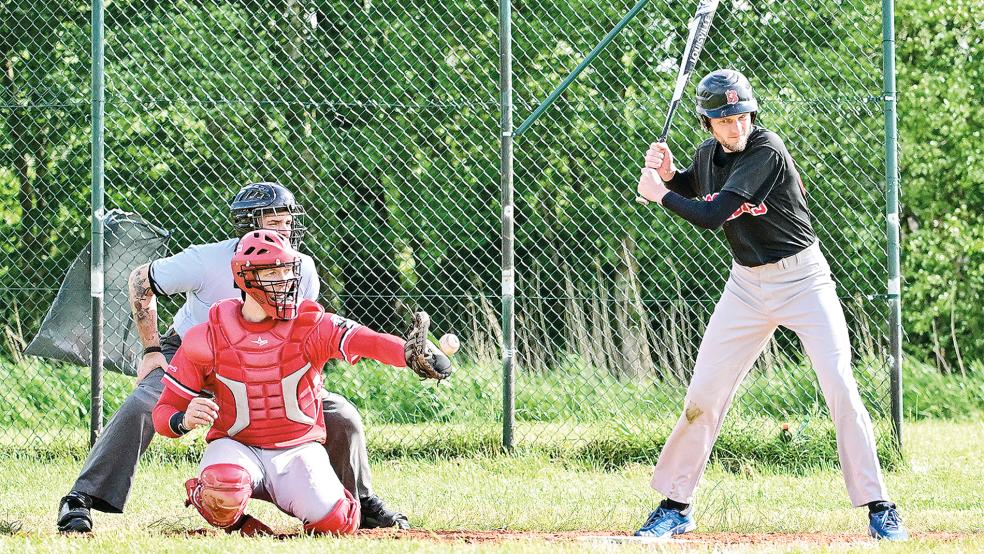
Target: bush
(944, 285)
(941, 113)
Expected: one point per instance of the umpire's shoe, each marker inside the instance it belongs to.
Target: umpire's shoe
(887, 524)
(375, 514)
(663, 523)
(73, 513)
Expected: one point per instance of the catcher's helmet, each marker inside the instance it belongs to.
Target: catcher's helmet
(724, 93)
(257, 199)
(265, 249)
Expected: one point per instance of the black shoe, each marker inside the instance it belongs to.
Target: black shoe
(375, 514)
(73, 513)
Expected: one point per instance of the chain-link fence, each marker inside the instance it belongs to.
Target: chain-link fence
(383, 120)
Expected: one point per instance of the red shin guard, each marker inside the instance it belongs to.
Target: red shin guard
(343, 519)
(220, 493)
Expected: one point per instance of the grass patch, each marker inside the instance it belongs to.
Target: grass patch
(741, 445)
(10, 526)
(574, 413)
(39, 394)
(937, 490)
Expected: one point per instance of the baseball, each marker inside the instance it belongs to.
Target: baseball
(450, 344)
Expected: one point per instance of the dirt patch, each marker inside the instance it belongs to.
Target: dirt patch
(695, 538)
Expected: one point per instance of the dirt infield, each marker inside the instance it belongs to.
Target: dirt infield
(602, 537)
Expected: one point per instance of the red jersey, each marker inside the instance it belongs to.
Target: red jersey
(266, 377)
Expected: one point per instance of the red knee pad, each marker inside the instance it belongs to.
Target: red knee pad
(343, 519)
(220, 493)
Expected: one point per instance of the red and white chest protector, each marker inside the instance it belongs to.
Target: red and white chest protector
(268, 392)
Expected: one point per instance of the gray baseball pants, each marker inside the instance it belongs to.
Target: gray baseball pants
(798, 293)
(108, 472)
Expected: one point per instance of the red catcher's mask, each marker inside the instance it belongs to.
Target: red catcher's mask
(261, 250)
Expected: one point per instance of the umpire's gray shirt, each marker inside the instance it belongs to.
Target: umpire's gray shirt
(204, 273)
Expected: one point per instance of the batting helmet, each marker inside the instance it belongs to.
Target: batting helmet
(723, 93)
(255, 200)
(262, 250)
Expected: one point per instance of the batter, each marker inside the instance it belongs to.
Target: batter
(744, 181)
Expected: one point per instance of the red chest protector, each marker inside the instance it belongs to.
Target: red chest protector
(269, 394)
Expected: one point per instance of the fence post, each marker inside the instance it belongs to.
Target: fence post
(892, 214)
(96, 251)
(508, 264)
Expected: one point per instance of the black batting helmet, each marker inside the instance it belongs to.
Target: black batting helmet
(724, 93)
(258, 199)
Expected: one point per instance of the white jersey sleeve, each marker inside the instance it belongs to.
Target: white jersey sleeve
(204, 274)
(310, 283)
(179, 273)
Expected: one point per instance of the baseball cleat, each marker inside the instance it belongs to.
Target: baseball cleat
(887, 524)
(663, 523)
(375, 514)
(73, 513)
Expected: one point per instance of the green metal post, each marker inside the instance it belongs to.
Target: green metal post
(508, 263)
(580, 67)
(892, 214)
(96, 252)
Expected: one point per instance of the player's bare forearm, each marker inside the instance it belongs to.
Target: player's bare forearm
(143, 304)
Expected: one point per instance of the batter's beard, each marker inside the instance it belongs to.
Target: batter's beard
(736, 146)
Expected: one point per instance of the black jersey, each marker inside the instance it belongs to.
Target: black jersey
(775, 221)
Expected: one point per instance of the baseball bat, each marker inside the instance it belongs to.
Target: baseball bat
(699, 26)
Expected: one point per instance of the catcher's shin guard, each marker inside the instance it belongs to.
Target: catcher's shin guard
(343, 519)
(220, 493)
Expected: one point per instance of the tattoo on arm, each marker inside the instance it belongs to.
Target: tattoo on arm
(143, 303)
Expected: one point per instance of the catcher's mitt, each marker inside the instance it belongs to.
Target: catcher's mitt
(425, 359)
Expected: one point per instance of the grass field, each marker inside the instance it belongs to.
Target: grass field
(572, 412)
(535, 503)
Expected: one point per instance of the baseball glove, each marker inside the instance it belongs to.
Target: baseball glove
(425, 359)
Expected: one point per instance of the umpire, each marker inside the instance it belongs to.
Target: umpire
(744, 181)
(202, 273)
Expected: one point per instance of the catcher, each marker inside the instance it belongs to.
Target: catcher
(253, 373)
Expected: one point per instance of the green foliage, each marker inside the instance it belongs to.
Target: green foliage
(573, 412)
(383, 118)
(941, 105)
(945, 282)
(929, 394)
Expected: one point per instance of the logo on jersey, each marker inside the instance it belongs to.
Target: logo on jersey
(731, 96)
(342, 323)
(260, 341)
(745, 208)
(171, 369)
